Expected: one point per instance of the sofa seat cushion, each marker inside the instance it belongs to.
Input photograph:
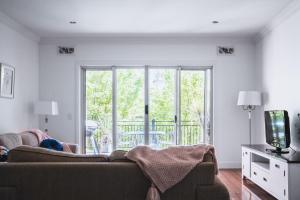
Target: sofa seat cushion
(37, 154)
(10, 140)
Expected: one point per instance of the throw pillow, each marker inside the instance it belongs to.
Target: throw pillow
(3, 154)
(51, 144)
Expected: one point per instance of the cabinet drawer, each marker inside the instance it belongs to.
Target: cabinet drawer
(261, 178)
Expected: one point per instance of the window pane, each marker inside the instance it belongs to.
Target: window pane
(192, 107)
(98, 112)
(162, 129)
(130, 108)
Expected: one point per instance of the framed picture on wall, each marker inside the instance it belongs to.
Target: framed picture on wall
(7, 81)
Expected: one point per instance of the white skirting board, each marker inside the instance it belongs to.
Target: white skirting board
(229, 165)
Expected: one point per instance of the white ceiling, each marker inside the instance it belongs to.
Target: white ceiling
(50, 18)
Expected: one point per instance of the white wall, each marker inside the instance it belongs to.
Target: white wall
(280, 68)
(231, 74)
(21, 52)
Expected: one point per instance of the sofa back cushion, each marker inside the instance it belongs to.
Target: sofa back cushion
(29, 139)
(37, 154)
(10, 140)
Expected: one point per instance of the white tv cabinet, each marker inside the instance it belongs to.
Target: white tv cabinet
(277, 174)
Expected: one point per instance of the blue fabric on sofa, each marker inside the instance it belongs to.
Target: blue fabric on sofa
(52, 144)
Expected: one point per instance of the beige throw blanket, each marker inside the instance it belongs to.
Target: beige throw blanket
(167, 167)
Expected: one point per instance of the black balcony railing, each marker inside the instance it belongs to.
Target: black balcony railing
(131, 133)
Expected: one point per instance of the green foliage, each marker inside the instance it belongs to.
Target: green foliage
(192, 96)
(99, 96)
(130, 97)
(162, 95)
(130, 94)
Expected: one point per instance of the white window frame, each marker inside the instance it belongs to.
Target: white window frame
(208, 96)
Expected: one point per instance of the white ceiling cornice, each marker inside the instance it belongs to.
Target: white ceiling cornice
(18, 27)
(285, 13)
(145, 39)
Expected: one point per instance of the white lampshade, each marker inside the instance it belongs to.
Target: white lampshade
(46, 108)
(247, 98)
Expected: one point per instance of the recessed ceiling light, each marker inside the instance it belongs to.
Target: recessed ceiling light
(215, 22)
(73, 22)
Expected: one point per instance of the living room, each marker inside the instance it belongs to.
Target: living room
(110, 78)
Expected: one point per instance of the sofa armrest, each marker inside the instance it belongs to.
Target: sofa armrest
(217, 191)
(73, 147)
(202, 175)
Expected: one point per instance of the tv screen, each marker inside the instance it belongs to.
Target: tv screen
(277, 128)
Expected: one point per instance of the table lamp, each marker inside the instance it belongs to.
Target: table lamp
(46, 108)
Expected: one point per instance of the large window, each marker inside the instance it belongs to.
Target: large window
(157, 106)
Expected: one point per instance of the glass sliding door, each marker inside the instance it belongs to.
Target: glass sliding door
(192, 107)
(162, 107)
(98, 123)
(130, 108)
(156, 106)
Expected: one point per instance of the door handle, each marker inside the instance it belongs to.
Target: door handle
(146, 109)
(175, 118)
(277, 166)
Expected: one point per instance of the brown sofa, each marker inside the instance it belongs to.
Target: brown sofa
(28, 175)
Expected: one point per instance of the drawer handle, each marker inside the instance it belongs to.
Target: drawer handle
(265, 179)
(277, 166)
(254, 173)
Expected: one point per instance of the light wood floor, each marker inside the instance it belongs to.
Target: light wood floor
(242, 189)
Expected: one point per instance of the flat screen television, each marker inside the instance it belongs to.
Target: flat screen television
(277, 126)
